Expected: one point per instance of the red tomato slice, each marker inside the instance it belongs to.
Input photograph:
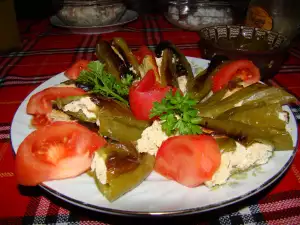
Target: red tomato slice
(143, 94)
(142, 52)
(74, 71)
(40, 121)
(57, 151)
(243, 69)
(190, 159)
(147, 61)
(40, 103)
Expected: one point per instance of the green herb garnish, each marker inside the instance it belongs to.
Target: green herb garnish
(127, 80)
(104, 83)
(177, 114)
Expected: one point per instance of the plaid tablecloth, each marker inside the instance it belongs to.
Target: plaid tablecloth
(48, 51)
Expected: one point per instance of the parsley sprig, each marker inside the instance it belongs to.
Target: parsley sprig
(177, 114)
(104, 83)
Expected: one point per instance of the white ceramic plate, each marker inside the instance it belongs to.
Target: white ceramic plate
(157, 195)
(128, 17)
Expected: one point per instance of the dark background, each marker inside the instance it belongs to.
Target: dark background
(44, 8)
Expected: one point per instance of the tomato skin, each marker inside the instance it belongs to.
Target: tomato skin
(74, 71)
(189, 159)
(57, 151)
(141, 53)
(143, 94)
(229, 71)
(40, 103)
(146, 59)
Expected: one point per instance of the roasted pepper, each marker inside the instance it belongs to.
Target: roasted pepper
(167, 70)
(120, 45)
(113, 117)
(60, 103)
(113, 63)
(226, 144)
(182, 66)
(117, 121)
(253, 94)
(215, 98)
(247, 134)
(124, 169)
(200, 86)
(259, 115)
(146, 59)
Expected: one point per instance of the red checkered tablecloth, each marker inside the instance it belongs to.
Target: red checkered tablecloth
(48, 51)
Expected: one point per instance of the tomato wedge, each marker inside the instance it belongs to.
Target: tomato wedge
(190, 159)
(74, 71)
(147, 61)
(57, 151)
(40, 103)
(243, 69)
(143, 94)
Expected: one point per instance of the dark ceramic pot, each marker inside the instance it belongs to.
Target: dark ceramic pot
(266, 49)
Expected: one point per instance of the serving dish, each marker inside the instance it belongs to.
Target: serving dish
(198, 14)
(128, 17)
(157, 195)
(89, 13)
(267, 49)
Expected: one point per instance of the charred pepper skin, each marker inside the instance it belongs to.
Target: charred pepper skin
(180, 64)
(226, 144)
(253, 94)
(123, 178)
(113, 117)
(117, 121)
(200, 86)
(168, 75)
(121, 46)
(113, 63)
(247, 134)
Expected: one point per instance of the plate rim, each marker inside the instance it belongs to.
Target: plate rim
(191, 211)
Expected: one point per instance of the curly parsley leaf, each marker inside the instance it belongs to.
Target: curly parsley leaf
(177, 114)
(104, 83)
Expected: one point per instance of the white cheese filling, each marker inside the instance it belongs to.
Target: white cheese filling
(57, 115)
(239, 160)
(117, 52)
(158, 62)
(85, 104)
(132, 70)
(182, 81)
(283, 116)
(98, 166)
(151, 139)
